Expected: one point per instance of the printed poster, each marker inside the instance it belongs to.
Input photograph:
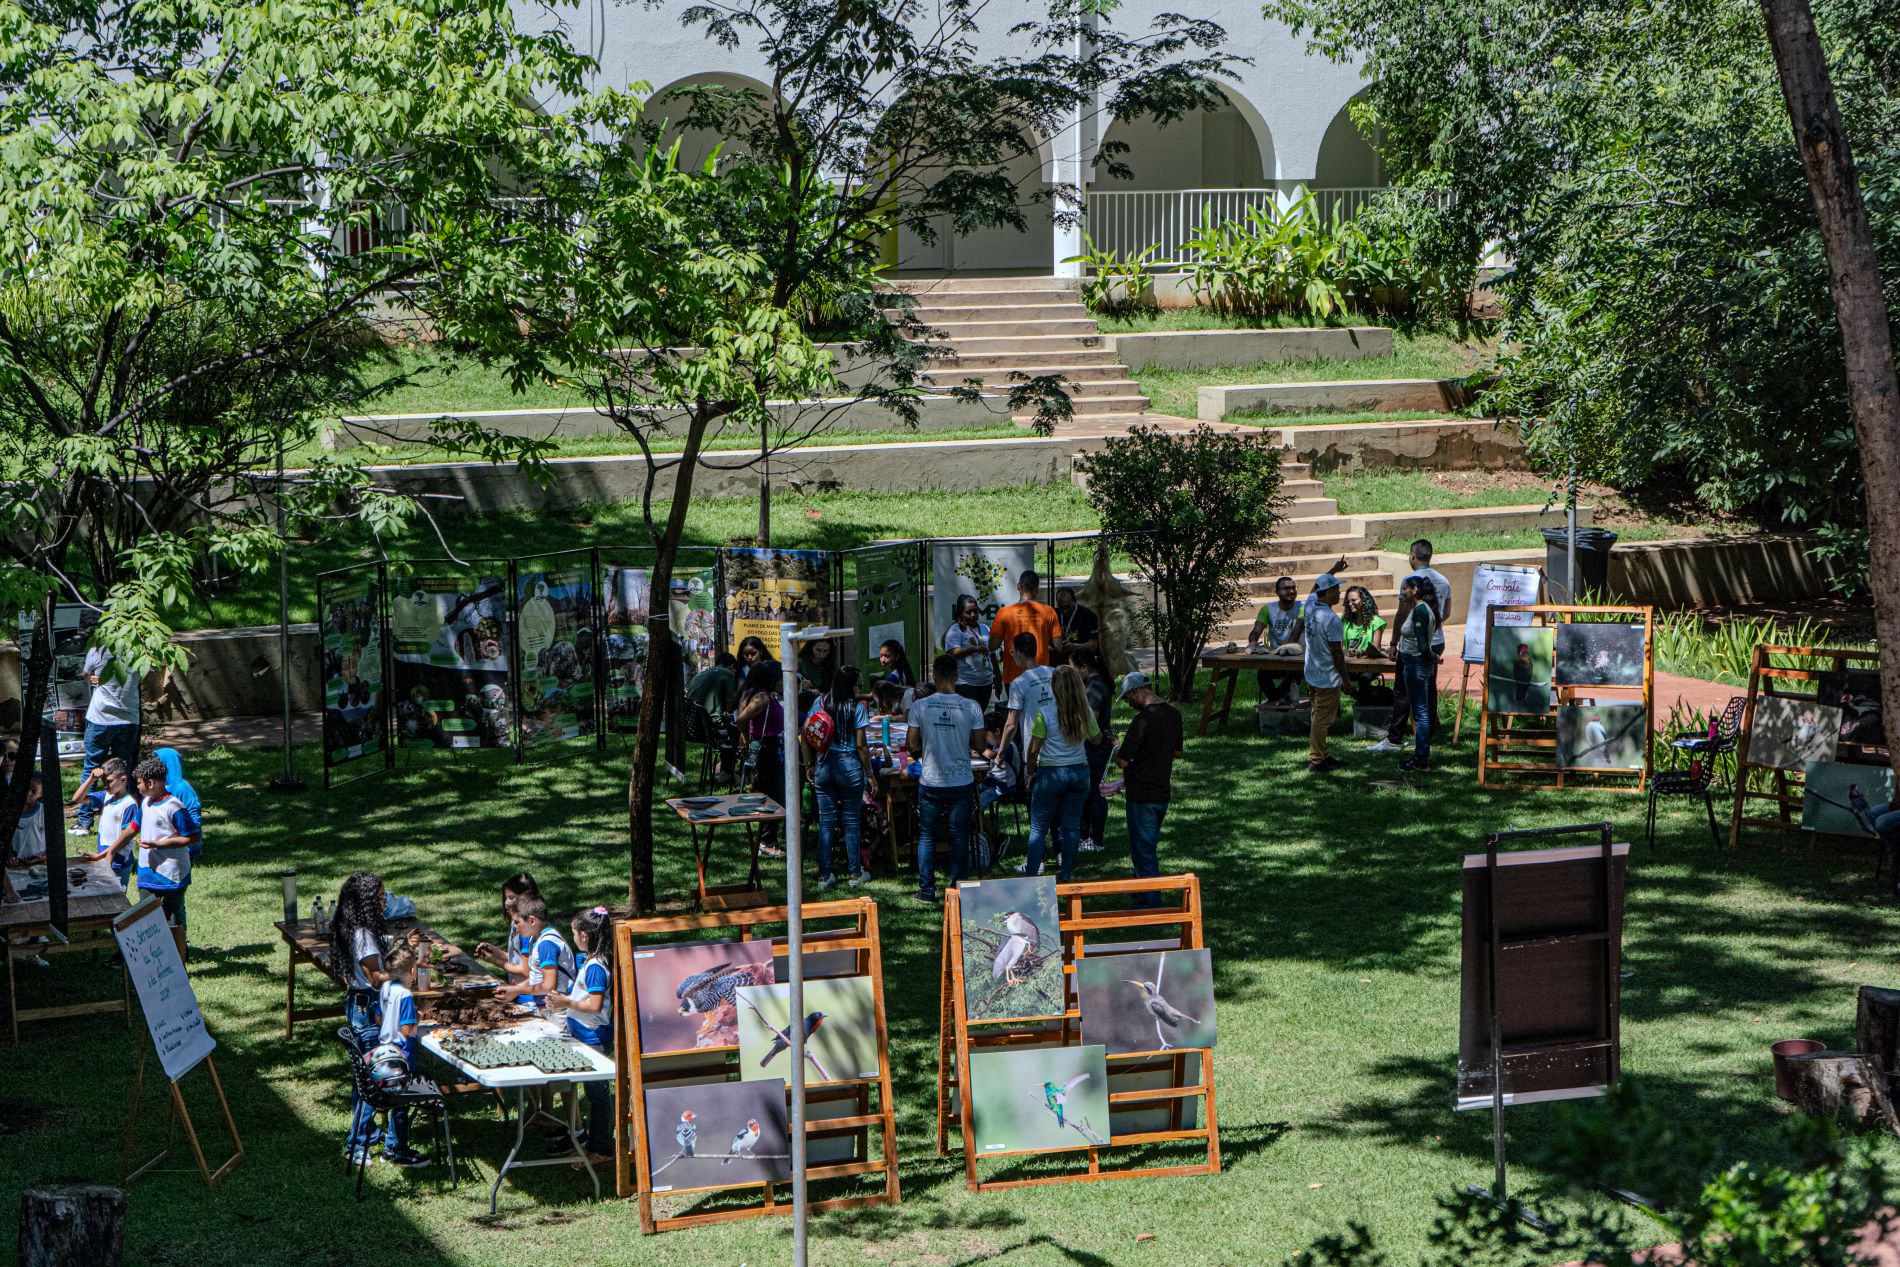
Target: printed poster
(692, 614)
(450, 655)
(554, 628)
(889, 603)
(68, 694)
(767, 587)
(985, 570)
(1499, 585)
(350, 624)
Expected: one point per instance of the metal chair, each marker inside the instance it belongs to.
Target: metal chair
(418, 1093)
(1705, 752)
(703, 729)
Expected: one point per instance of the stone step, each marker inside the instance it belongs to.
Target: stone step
(1104, 373)
(958, 331)
(961, 359)
(1330, 544)
(1094, 407)
(1310, 516)
(1303, 567)
(921, 286)
(943, 314)
(1376, 581)
(1042, 349)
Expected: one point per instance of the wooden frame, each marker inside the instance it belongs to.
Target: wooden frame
(1077, 924)
(1520, 749)
(858, 934)
(175, 1114)
(1763, 677)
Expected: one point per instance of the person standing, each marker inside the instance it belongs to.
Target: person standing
(1418, 665)
(167, 832)
(1146, 759)
(945, 730)
(1077, 628)
(1402, 709)
(968, 642)
(1281, 622)
(1024, 616)
(1060, 732)
(841, 764)
(1325, 670)
(761, 721)
(112, 719)
(1028, 693)
(1101, 693)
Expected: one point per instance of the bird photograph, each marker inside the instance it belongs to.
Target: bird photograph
(840, 1025)
(743, 1143)
(724, 1134)
(688, 994)
(1012, 950)
(1039, 1099)
(686, 1134)
(1518, 668)
(1147, 1001)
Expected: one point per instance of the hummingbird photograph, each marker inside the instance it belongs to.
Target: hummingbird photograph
(1038, 1099)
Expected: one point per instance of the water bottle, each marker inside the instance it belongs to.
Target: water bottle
(316, 911)
(422, 977)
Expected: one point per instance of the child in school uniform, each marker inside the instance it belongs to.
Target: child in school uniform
(118, 820)
(167, 828)
(29, 838)
(590, 1018)
(550, 962)
(512, 955)
(396, 1023)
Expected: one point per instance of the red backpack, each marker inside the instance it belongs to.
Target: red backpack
(819, 729)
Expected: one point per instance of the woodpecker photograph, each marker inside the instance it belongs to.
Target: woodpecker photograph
(688, 994)
(717, 1135)
(1039, 1099)
(1012, 949)
(840, 1024)
(1156, 1001)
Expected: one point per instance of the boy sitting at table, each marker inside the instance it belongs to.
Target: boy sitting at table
(550, 960)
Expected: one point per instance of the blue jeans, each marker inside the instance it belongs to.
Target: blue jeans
(1419, 672)
(1144, 840)
(840, 791)
(600, 1116)
(1095, 808)
(934, 806)
(103, 743)
(362, 1116)
(1057, 798)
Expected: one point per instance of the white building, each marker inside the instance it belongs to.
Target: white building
(1285, 124)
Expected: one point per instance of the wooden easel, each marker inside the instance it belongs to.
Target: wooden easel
(177, 1114)
(1765, 677)
(1187, 1079)
(1520, 749)
(855, 930)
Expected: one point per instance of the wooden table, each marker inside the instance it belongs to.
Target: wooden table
(750, 811)
(898, 789)
(310, 943)
(1228, 665)
(91, 906)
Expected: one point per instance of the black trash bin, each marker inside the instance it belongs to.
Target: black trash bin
(1593, 562)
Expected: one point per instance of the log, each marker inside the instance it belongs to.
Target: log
(1877, 1031)
(72, 1225)
(1830, 1084)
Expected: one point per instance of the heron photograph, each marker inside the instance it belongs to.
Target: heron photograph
(1012, 949)
(1147, 1002)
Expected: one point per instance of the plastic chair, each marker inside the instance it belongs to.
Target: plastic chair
(1705, 752)
(417, 1093)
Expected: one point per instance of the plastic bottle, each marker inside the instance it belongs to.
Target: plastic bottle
(316, 911)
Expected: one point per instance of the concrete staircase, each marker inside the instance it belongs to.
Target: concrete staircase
(992, 328)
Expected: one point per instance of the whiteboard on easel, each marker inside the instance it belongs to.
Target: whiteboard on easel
(1499, 585)
(165, 994)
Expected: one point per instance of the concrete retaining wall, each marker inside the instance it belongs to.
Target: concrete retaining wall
(1198, 349)
(1365, 396)
(1412, 524)
(1456, 444)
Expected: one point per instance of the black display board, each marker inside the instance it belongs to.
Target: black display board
(557, 617)
(353, 668)
(451, 664)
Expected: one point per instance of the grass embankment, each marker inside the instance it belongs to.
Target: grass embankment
(1413, 356)
(1333, 916)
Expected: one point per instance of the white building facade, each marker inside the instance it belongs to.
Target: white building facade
(1285, 124)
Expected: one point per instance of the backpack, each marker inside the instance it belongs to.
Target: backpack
(818, 732)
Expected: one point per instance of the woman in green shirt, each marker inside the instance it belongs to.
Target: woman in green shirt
(1365, 630)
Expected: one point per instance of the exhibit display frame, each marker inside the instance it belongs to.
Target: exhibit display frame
(325, 604)
(1765, 677)
(846, 926)
(1489, 579)
(1187, 1075)
(1521, 749)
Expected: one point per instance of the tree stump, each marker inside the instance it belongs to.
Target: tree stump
(72, 1225)
(1877, 1030)
(1831, 1084)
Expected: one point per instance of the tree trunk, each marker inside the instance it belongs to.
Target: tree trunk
(641, 896)
(1831, 1085)
(1877, 1032)
(65, 1224)
(1860, 306)
(35, 682)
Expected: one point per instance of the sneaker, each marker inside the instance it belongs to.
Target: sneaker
(857, 878)
(359, 1156)
(1414, 763)
(39, 961)
(1022, 868)
(1323, 767)
(1385, 745)
(771, 851)
(825, 882)
(405, 1157)
(1088, 846)
(925, 899)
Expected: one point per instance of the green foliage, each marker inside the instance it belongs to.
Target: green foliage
(1666, 289)
(1114, 285)
(1692, 645)
(1210, 499)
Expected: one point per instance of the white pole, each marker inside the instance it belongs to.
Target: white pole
(794, 933)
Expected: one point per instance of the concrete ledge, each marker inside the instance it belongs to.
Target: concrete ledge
(934, 413)
(1198, 349)
(1364, 396)
(1424, 523)
(1451, 444)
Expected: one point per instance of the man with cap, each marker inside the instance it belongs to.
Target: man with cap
(1146, 758)
(1325, 669)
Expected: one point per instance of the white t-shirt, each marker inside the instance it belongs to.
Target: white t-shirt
(398, 1007)
(945, 723)
(1442, 588)
(29, 838)
(1323, 632)
(114, 702)
(363, 945)
(1030, 691)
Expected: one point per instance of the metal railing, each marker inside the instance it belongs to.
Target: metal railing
(1129, 221)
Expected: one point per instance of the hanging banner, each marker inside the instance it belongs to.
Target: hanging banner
(984, 569)
(555, 618)
(68, 693)
(1499, 585)
(350, 624)
(692, 606)
(765, 587)
(449, 639)
(889, 600)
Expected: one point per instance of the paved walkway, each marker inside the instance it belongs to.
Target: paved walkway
(235, 732)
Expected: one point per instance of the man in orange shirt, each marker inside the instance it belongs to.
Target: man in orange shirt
(1024, 616)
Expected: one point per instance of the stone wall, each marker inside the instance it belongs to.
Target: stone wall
(1199, 349)
(1372, 395)
(1455, 444)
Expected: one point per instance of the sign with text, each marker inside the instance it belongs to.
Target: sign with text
(165, 994)
(1499, 585)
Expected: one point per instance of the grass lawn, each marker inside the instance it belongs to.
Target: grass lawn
(1414, 356)
(1384, 492)
(823, 521)
(1201, 317)
(437, 380)
(1333, 915)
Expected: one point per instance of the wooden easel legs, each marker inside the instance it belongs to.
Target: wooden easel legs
(177, 1113)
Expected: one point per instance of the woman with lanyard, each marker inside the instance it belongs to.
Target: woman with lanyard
(968, 640)
(356, 938)
(761, 721)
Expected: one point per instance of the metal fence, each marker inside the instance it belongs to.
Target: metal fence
(1128, 222)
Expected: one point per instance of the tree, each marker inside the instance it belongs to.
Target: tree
(1667, 286)
(200, 202)
(880, 115)
(1860, 303)
(1208, 500)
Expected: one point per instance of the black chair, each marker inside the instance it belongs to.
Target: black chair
(1705, 752)
(704, 730)
(417, 1093)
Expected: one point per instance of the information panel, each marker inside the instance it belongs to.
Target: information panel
(165, 994)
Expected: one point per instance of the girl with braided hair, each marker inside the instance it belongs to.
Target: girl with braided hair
(356, 940)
